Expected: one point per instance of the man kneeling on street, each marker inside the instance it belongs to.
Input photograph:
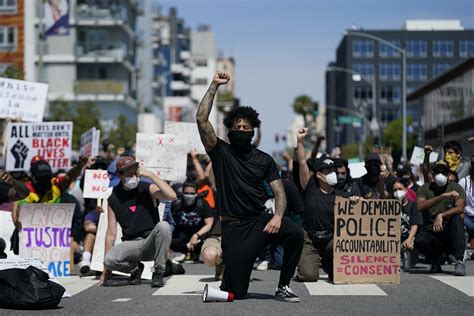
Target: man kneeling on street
(133, 204)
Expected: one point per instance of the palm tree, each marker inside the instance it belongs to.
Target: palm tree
(303, 104)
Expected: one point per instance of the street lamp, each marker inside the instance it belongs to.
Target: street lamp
(404, 82)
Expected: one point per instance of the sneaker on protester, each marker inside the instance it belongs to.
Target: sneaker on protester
(262, 265)
(460, 268)
(179, 257)
(84, 267)
(285, 294)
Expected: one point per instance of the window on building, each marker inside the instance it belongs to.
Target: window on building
(389, 115)
(362, 93)
(200, 63)
(7, 38)
(443, 49)
(439, 68)
(416, 72)
(366, 70)
(390, 94)
(3, 68)
(7, 6)
(387, 51)
(389, 71)
(200, 81)
(416, 48)
(363, 48)
(466, 48)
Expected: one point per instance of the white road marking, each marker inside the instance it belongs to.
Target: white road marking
(464, 284)
(74, 284)
(122, 300)
(187, 285)
(326, 288)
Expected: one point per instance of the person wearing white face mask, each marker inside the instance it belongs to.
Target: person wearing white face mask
(319, 198)
(441, 203)
(133, 204)
(410, 221)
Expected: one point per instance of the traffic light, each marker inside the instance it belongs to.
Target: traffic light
(315, 108)
(277, 138)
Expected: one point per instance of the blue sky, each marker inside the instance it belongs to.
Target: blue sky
(281, 47)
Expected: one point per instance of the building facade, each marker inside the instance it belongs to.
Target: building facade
(431, 47)
(95, 60)
(11, 34)
(448, 106)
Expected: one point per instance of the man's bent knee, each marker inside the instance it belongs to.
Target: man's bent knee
(210, 256)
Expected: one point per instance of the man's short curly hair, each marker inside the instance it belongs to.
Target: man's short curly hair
(242, 112)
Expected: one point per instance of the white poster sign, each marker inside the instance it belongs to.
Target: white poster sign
(189, 131)
(419, 155)
(90, 143)
(22, 99)
(164, 154)
(51, 140)
(96, 184)
(46, 235)
(357, 169)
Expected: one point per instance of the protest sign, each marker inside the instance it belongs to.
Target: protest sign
(97, 261)
(46, 235)
(187, 130)
(367, 241)
(164, 154)
(22, 99)
(357, 169)
(6, 230)
(418, 156)
(96, 184)
(51, 140)
(90, 143)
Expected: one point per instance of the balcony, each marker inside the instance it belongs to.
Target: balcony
(85, 12)
(115, 50)
(110, 87)
(179, 85)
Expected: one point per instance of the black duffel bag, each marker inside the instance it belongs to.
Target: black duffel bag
(28, 288)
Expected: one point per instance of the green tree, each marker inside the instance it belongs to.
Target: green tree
(13, 72)
(123, 133)
(303, 104)
(84, 117)
(393, 134)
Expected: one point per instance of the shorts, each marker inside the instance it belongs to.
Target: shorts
(92, 216)
(212, 241)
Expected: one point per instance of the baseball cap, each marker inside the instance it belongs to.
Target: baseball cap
(373, 157)
(41, 168)
(441, 165)
(324, 163)
(126, 162)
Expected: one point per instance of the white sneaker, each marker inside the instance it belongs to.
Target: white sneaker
(262, 265)
(179, 257)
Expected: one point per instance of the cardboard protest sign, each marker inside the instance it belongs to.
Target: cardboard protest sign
(97, 261)
(51, 140)
(189, 131)
(367, 241)
(46, 235)
(96, 184)
(164, 154)
(418, 156)
(90, 143)
(6, 230)
(22, 99)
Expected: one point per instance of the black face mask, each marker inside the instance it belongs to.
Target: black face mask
(373, 170)
(42, 185)
(341, 181)
(241, 141)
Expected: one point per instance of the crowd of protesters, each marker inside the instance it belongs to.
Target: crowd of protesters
(437, 200)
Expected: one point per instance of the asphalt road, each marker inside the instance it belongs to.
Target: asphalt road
(419, 293)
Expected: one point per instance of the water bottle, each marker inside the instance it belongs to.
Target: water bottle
(406, 264)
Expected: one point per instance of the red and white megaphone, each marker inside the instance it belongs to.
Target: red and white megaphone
(212, 295)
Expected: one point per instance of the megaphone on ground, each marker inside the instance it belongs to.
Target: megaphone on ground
(213, 295)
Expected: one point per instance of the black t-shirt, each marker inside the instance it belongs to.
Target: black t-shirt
(368, 189)
(410, 216)
(4, 188)
(191, 219)
(319, 207)
(240, 191)
(134, 210)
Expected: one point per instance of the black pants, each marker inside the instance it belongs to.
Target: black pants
(180, 240)
(450, 240)
(244, 240)
(325, 250)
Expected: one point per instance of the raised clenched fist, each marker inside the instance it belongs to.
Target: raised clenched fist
(301, 134)
(221, 78)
